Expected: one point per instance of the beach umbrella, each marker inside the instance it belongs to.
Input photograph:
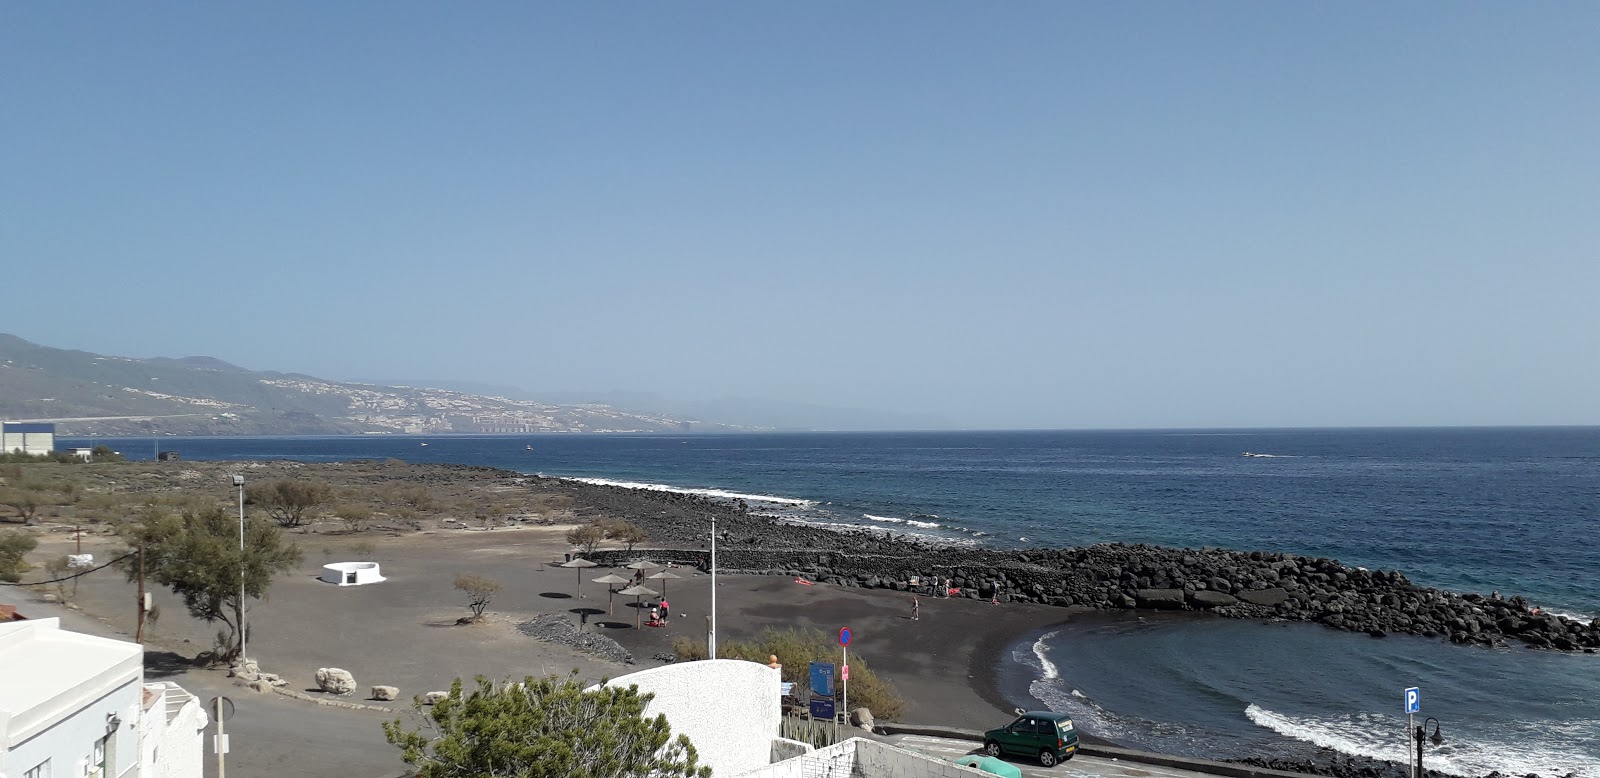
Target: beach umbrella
(610, 580)
(642, 565)
(662, 577)
(636, 592)
(580, 563)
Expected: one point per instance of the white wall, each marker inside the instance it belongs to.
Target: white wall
(859, 756)
(729, 709)
(173, 734)
(69, 743)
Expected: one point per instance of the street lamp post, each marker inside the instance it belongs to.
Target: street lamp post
(238, 480)
(1437, 739)
(711, 638)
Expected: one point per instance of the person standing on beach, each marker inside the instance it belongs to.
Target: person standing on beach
(666, 610)
(914, 606)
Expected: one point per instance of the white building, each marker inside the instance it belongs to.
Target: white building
(28, 437)
(730, 710)
(76, 705)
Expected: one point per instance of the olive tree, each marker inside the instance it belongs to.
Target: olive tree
(543, 728)
(197, 556)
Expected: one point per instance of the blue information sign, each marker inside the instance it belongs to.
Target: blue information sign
(1414, 699)
(822, 679)
(821, 709)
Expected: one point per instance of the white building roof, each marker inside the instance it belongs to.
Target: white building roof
(50, 672)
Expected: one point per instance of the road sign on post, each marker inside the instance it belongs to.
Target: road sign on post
(1414, 700)
(822, 709)
(844, 636)
(822, 679)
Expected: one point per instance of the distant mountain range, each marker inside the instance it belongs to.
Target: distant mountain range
(207, 396)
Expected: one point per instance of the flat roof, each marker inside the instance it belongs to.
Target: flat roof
(44, 661)
(26, 426)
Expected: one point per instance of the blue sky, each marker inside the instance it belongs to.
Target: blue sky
(1003, 215)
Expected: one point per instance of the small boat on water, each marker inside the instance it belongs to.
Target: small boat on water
(424, 445)
(529, 447)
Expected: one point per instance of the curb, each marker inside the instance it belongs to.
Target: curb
(1208, 766)
(330, 703)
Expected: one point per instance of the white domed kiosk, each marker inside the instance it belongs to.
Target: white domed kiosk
(351, 573)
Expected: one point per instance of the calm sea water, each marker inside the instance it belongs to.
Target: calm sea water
(1516, 510)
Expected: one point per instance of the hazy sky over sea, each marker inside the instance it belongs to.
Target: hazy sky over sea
(1031, 214)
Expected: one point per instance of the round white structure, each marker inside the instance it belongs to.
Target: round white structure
(351, 573)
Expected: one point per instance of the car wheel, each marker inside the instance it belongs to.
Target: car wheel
(992, 748)
(1047, 758)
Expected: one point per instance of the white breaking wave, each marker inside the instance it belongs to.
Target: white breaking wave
(1045, 665)
(717, 493)
(908, 522)
(1383, 737)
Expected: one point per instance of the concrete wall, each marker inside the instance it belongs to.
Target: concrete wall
(728, 708)
(859, 756)
(31, 438)
(173, 735)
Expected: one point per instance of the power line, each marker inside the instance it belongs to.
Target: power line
(74, 575)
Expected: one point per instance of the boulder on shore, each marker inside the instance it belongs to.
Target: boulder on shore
(385, 693)
(434, 698)
(1162, 599)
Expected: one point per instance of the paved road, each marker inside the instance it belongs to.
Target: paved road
(1077, 767)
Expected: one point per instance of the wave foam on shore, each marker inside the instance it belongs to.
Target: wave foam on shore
(722, 494)
(907, 522)
(1380, 737)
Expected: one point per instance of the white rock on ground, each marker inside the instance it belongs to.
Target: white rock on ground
(335, 681)
(385, 692)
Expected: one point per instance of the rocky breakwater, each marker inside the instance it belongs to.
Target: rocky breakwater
(1234, 584)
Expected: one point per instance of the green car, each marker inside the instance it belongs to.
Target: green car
(1041, 733)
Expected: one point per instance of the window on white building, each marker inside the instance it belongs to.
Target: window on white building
(42, 770)
(97, 765)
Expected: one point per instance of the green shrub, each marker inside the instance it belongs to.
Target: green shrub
(796, 649)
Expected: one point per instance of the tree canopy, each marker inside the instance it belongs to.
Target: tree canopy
(197, 556)
(543, 728)
(13, 547)
(287, 500)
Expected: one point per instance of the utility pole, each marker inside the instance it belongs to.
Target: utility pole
(238, 480)
(711, 639)
(138, 636)
(222, 743)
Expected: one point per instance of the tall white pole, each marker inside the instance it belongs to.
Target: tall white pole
(711, 640)
(242, 638)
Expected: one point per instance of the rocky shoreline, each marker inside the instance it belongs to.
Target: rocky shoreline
(1234, 584)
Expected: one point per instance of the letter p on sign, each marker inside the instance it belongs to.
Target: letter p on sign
(1413, 699)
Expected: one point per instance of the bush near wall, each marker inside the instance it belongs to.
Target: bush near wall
(796, 649)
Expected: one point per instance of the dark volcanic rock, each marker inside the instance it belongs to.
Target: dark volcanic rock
(1235, 584)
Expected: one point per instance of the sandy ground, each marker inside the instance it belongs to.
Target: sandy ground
(403, 632)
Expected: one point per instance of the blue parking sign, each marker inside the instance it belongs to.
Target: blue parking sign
(1413, 699)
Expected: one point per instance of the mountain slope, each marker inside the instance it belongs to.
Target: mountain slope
(207, 396)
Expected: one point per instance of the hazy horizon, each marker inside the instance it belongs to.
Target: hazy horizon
(1029, 216)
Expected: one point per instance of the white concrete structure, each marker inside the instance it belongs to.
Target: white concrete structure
(729, 709)
(28, 437)
(862, 757)
(171, 733)
(351, 573)
(74, 705)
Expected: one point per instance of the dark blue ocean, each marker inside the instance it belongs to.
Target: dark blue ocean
(1516, 510)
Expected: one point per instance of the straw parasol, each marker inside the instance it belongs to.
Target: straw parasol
(662, 577)
(610, 580)
(642, 565)
(580, 563)
(636, 592)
